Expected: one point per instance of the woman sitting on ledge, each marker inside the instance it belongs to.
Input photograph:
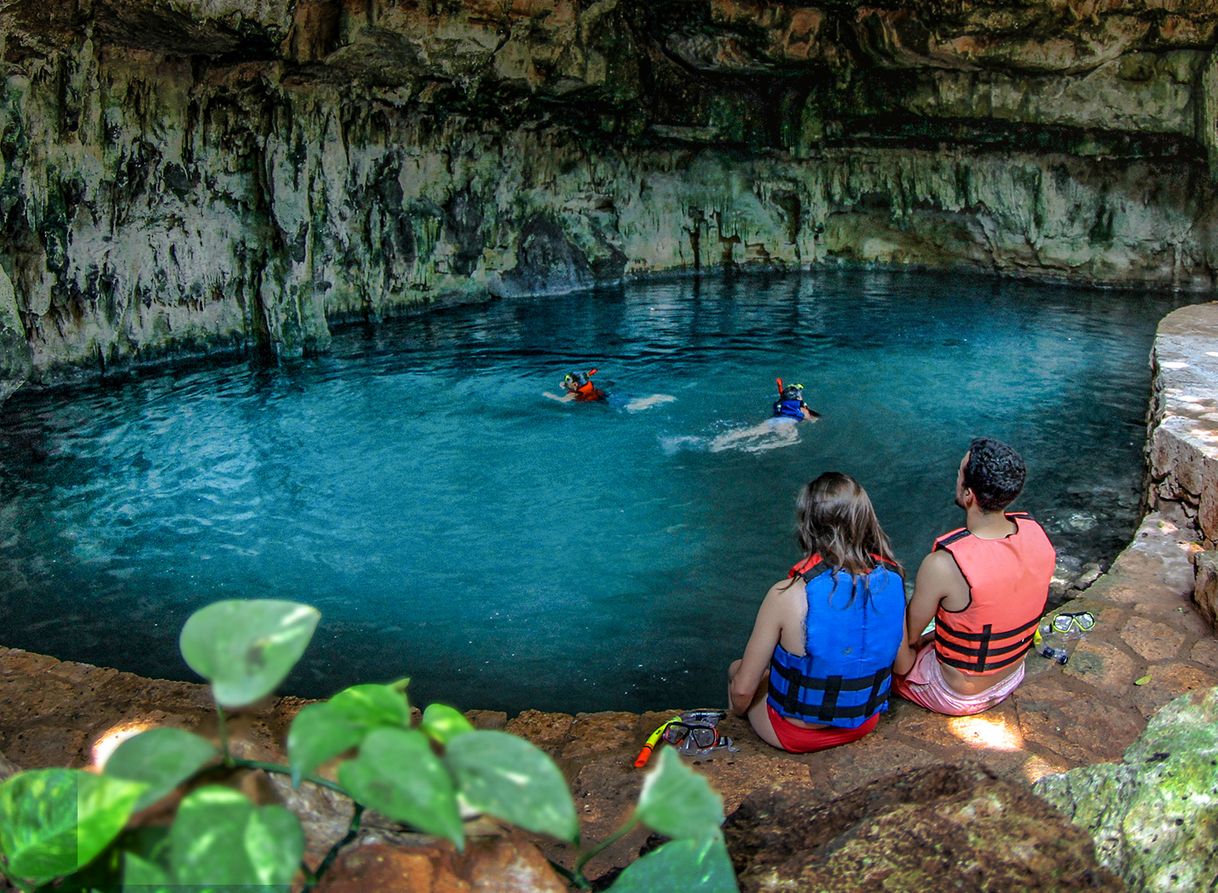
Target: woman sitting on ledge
(829, 633)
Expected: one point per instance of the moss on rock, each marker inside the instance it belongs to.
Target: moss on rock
(1154, 817)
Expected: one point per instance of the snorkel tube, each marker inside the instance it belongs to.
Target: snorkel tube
(649, 745)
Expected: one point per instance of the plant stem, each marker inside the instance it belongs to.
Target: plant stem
(573, 877)
(222, 732)
(352, 831)
(279, 769)
(605, 844)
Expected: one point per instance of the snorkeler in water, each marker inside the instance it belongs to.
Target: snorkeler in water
(790, 403)
(578, 386)
(780, 430)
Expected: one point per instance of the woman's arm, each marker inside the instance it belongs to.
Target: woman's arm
(766, 631)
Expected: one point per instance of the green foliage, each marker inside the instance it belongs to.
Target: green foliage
(509, 778)
(246, 648)
(421, 795)
(442, 723)
(321, 732)
(317, 734)
(220, 838)
(69, 825)
(677, 802)
(141, 874)
(160, 758)
(54, 821)
(701, 865)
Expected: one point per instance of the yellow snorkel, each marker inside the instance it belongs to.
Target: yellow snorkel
(649, 745)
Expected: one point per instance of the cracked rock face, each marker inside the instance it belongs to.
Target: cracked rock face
(1152, 815)
(181, 177)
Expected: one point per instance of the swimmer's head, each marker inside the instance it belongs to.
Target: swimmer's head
(573, 381)
(793, 392)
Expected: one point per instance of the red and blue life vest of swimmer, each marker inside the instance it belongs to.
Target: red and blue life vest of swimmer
(855, 626)
(1008, 582)
(789, 409)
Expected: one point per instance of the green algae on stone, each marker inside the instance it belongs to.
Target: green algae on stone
(15, 361)
(1154, 817)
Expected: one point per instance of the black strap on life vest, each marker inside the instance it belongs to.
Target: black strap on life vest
(815, 571)
(979, 658)
(832, 686)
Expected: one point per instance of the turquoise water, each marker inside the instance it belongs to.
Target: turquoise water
(508, 551)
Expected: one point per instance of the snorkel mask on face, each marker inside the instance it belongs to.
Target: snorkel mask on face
(793, 392)
(573, 381)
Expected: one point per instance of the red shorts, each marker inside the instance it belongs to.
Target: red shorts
(797, 739)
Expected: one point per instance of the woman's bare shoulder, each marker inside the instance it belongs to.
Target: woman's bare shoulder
(786, 596)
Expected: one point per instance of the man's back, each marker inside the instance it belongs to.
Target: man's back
(984, 585)
(985, 626)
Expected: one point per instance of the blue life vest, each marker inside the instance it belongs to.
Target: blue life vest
(845, 673)
(791, 409)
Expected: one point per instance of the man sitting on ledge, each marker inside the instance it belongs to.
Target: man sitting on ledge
(985, 585)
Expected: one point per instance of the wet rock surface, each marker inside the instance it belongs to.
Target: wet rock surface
(510, 864)
(941, 827)
(1205, 593)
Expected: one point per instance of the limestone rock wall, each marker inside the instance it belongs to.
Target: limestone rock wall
(243, 174)
(1182, 450)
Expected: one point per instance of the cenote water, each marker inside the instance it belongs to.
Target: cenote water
(507, 551)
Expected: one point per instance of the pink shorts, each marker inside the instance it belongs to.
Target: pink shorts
(924, 684)
(797, 739)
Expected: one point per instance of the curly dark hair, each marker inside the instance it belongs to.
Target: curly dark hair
(994, 472)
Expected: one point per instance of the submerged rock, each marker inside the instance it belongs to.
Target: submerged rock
(1153, 816)
(940, 827)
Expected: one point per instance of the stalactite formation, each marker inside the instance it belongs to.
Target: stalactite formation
(244, 174)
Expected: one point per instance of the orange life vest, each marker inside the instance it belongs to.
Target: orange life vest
(1008, 581)
(588, 391)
